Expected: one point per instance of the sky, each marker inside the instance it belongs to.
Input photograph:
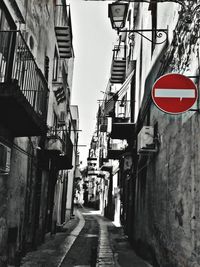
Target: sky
(93, 41)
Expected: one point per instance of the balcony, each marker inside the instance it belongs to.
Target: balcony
(115, 149)
(56, 137)
(23, 88)
(59, 148)
(118, 68)
(122, 129)
(63, 30)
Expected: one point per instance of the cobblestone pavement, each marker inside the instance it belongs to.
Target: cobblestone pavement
(114, 248)
(105, 255)
(101, 244)
(90, 241)
(83, 251)
(51, 253)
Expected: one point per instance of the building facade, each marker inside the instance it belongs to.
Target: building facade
(37, 147)
(156, 152)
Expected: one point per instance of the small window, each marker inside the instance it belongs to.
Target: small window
(55, 120)
(129, 19)
(69, 128)
(55, 66)
(46, 68)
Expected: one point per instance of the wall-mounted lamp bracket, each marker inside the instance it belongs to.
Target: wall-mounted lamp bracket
(161, 34)
(117, 12)
(189, 8)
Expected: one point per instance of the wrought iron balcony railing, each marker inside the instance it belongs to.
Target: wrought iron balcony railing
(17, 65)
(60, 147)
(58, 133)
(116, 148)
(119, 52)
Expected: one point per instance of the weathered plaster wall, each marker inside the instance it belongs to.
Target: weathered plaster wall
(16, 194)
(22, 211)
(167, 205)
(3, 214)
(167, 18)
(167, 184)
(19, 190)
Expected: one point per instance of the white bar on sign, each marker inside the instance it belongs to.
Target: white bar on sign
(175, 93)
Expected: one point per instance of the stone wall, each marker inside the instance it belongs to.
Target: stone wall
(167, 182)
(167, 201)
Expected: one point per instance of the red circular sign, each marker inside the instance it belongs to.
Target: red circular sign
(174, 93)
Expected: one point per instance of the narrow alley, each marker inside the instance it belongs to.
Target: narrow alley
(99, 133)
(89, 240)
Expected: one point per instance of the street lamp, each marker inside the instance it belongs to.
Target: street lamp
(117, 12)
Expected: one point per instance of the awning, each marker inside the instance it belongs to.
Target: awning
(110, 104)
(110, 107)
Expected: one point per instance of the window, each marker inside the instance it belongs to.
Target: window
(4, 44)
(69, 128)
(129, 19)
(46, 68)
(55, 120)
(55, 65)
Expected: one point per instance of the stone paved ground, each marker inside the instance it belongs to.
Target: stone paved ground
(114, 248)
(90, 241)
(83, 251)
(51, 253)
(105, 256)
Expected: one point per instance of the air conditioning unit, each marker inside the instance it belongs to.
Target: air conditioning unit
(145, 141)
(5, 154)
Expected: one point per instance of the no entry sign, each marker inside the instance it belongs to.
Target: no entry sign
(174, 93)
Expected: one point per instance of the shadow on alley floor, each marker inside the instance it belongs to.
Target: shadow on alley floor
(52, 252)
(89, 240)
(124, 254)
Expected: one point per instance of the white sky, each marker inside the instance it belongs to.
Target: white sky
(93, 41)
